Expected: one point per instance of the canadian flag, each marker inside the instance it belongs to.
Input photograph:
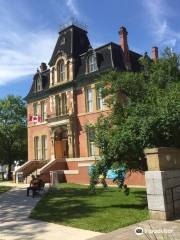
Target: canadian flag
(35, 119)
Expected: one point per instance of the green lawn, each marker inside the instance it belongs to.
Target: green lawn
(4, 189)
(74, 205)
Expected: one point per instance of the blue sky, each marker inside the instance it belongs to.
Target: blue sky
(29, 30)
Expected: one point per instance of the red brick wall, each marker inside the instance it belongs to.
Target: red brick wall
(38, 130)
(85, 118)
(135, 178)
(45, 176)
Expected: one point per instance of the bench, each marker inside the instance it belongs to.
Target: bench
(39, 191)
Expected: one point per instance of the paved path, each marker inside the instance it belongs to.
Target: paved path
(15, 208)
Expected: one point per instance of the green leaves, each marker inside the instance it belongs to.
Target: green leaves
(13, 132)
(145, 111)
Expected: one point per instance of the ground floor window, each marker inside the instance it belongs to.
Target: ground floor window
(36, 148)
(40, 148)
(91, 142)
(44, 147)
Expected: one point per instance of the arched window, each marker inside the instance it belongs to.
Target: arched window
(68, 71)
(92, 63)
(61, 71)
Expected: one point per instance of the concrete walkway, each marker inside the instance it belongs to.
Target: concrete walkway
(153, 230)
(15, 208)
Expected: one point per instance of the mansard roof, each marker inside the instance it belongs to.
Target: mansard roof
(76, 42)
(45, 85)
(109, 57)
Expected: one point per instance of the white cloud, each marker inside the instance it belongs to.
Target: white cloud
(21, 48)
(20, 56)
(158, 13)
(72, 7)
(25, 41)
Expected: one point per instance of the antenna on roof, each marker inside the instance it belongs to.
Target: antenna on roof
(75, 22)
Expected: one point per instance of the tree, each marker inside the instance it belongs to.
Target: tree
(145, 112)
(13, 132)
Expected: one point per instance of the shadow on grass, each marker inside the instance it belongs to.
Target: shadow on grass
(68, 205)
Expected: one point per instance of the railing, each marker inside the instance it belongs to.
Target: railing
(31, 166)
(73, 21)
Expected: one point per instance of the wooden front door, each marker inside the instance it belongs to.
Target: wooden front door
(61, 148)
(58, 149)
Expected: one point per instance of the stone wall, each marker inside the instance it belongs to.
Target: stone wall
(163, 185)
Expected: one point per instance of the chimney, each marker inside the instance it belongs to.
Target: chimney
(155, 53)
(124, 45)
(43, 67)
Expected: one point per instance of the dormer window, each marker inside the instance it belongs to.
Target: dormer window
(61, 71)
(38, 85)
(92, 63)
(62, 42)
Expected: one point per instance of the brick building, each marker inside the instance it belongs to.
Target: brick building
(64, 98)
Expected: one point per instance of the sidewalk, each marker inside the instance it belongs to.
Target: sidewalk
(15, 208)
(171, 231)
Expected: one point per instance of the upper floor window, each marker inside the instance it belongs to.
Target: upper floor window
(61, 104)
(58, 105)
(99, 99)
(89, 100)
(35, 109)
(92, 63)
(61, 71)
(43, 111)
(64, 103)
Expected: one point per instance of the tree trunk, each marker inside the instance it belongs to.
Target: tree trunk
(9, 165)
(9, 171)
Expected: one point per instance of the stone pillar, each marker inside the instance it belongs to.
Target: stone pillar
(163, 183)
(70, 139)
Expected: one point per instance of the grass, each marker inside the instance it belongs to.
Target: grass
(106, 210)
(4, 189)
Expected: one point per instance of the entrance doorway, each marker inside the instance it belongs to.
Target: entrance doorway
(61, 143)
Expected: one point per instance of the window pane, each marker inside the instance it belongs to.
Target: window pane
(62, 71)
(64, 103)
(99, 99)
(92, 63)
(43, 111)
(36, 146)
(44, 147)
(91, 143)
(35, 109)
(58, 105)
(89, 100)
